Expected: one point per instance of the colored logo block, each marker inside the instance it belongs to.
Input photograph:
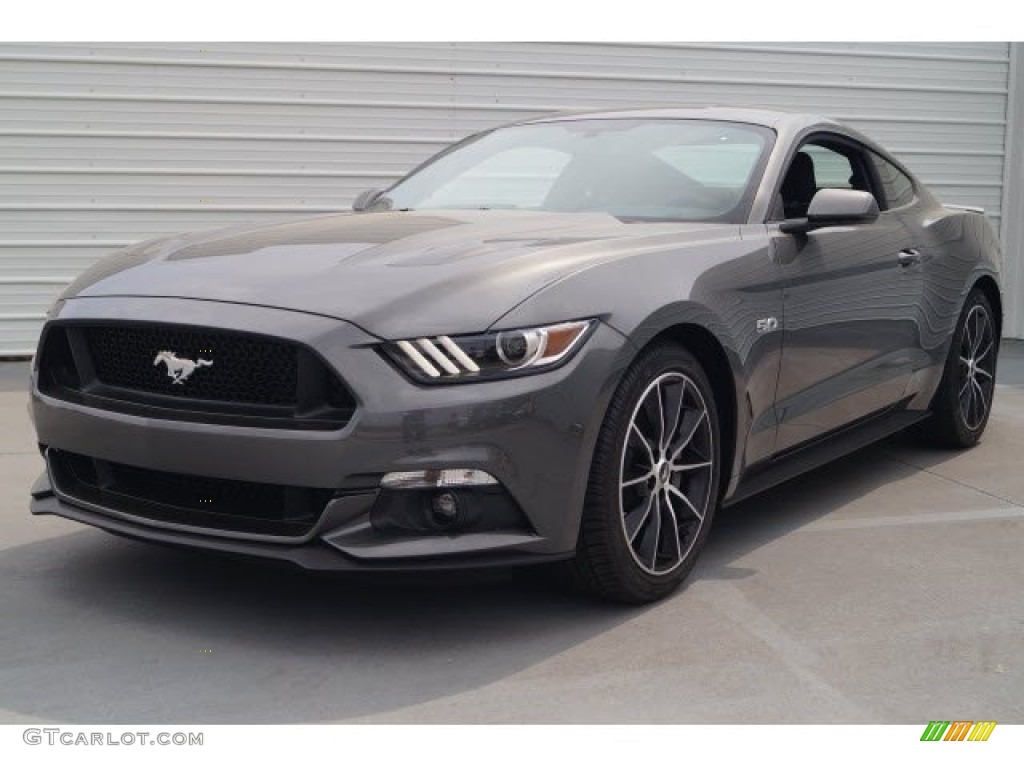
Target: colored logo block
(958, 730)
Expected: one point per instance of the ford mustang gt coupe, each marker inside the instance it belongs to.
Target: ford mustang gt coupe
(568, 339)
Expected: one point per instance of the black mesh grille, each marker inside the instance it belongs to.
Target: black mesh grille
(194, 500)
(244, 369)
(229, 377)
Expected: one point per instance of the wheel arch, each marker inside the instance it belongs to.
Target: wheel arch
(987, 285)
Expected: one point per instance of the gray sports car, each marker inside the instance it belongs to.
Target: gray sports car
(568, 339)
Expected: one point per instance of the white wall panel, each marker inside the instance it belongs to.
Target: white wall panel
(104, 144)
(1013, 199)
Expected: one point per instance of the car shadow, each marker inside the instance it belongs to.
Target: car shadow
(803, 500)
(99, 629)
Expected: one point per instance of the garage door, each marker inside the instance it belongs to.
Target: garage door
(105, 144)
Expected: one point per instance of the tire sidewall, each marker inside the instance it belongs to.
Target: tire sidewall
(950, 388)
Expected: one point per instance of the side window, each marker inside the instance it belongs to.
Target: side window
(822, 164)
(897, 186)
(831, 169)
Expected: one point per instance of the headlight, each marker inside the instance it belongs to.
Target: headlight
(453, 359)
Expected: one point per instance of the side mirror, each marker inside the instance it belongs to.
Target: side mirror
(835, 207)
(366, 198)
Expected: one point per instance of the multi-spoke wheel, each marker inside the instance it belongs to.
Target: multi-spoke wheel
(977, 367)
(654, 480)
(963, 401)
(665, 475)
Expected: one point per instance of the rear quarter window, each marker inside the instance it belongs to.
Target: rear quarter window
(897, 186)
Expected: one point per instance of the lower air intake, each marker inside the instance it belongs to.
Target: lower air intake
(192, 500)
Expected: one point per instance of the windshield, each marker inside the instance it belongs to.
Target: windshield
(692, 170)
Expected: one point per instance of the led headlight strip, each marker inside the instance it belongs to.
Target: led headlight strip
(447, 364)
(488, 355)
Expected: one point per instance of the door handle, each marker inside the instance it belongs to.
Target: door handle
(909, 256)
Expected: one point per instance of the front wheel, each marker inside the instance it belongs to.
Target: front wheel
(653, 482)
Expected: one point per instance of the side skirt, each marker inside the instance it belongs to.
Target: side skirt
(823, 450)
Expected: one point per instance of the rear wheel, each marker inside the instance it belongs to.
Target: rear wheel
(963, 401)
(653, 482)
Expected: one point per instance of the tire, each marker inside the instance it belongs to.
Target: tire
(642, 488)
(963, 401)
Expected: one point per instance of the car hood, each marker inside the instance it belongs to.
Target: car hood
(393, 274)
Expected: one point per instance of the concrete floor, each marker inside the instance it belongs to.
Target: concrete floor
(886, 588)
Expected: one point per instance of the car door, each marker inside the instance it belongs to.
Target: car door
(850, 297)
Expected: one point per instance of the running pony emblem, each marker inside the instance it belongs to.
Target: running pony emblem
(180, 369)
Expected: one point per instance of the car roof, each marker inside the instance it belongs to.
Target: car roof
(776, 119)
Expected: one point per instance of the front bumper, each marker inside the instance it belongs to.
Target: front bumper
(534, 434)
(475, 550)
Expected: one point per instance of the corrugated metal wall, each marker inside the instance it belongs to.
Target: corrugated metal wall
(104, 144)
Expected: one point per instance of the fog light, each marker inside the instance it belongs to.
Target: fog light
(437, 478)
(445, 509)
